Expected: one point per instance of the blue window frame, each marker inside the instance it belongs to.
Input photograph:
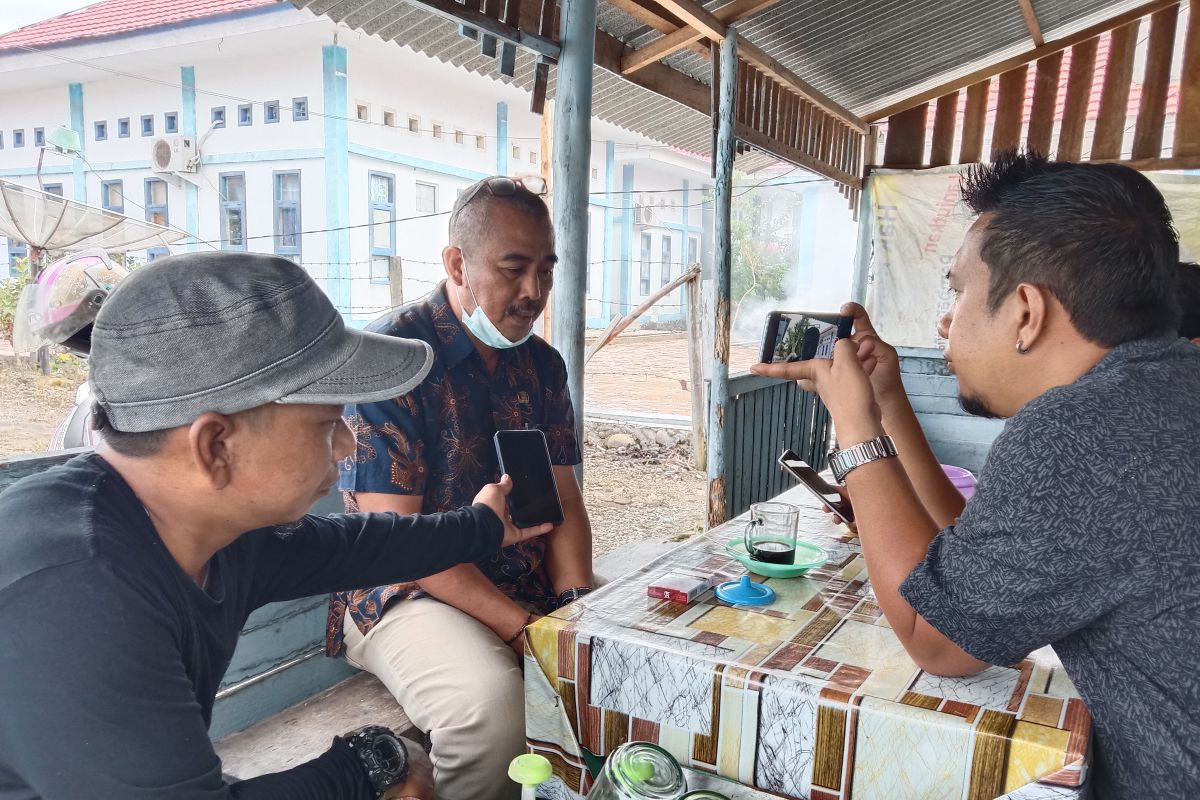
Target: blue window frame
(16, 252)
(39, 137)
(245, 114)
(644, 275)
(101, 131)
(123, 128)
(112, 196)
(287, 214)
(233, 210)
(382, 198)
(271, 111)
(53, 188)
(148, 125)
(18, 137)
(155, 253)
(171, 122)
(667, 259)
(299, 109)
(156, 202)
(218, 116)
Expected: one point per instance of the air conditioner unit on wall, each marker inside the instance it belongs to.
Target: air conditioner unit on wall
(173, 154)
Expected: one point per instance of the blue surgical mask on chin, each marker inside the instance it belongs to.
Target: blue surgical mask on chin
(482, 327)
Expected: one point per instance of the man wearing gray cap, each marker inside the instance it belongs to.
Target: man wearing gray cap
(126, 575)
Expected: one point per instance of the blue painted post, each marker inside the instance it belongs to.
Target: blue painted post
(337, 182)
(191, 195)
(626, 236)
(76, 98)
(607, 290)
(501, 138)
(718, 393)
(572, 175)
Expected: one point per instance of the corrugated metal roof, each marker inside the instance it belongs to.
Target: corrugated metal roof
(862, 53)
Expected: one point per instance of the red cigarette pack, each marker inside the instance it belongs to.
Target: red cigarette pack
(678, 587)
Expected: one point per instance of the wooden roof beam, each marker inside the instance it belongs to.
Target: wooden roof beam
(792, 82)
(697, 16)
(677, 40)
(656, 21)
(1031, 22)
(1011, 63)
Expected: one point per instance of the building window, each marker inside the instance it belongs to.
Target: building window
(533, 157)
(644, 288)
(155, 253)
(516, 152)
(123, 127)
(39, 137)
(148, 125)
(171, 122)
(426, 198)
(460, 137)
(693, 254)
(389, 118)
(246, 114)
(233, 211)
(414, 124)
(218, 116)
(18, 137)
(1, 140)
(665, 272)
(299, 109)
(271, 112)
(287, 214)
(112, 196)
(383, 223)
(480, 142)
(156, 202)
(101, 131)
(595, 174)
(363, 112)
(437, 130)
(53, 188)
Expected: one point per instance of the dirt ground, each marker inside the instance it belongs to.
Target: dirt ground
(630, 496)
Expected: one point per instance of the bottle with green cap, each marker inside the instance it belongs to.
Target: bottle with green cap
(639, 771)
(531, 771)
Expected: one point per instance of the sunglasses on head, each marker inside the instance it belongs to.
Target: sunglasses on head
(500, 186)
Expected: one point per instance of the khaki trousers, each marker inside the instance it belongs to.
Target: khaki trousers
(456, 681)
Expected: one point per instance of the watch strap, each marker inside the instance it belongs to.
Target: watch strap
(843, 462)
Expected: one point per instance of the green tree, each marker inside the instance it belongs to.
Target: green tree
(10, 294)
(764, 255)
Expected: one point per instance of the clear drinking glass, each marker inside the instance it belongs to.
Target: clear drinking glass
(770, 534)
(639, 771)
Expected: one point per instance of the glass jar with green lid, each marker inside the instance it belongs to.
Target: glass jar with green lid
(639, 771)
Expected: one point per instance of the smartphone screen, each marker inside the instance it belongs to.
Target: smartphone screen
(816, 485)
(525, 458)
(801, 335)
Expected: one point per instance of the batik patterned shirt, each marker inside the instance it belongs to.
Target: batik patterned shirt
(436, 442)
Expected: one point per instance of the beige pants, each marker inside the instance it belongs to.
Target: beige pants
(457, 681)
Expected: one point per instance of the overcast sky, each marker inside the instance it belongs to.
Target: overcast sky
(18, 13)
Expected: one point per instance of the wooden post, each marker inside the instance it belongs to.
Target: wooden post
(718, 480)
(695, 326)
(572, 174)
(395, 281)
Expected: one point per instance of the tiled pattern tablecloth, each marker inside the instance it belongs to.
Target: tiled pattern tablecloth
(811, 697)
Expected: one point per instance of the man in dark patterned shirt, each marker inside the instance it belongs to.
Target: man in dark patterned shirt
(449, 646)
(1084, 530)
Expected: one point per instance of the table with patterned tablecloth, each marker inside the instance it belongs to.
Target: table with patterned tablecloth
(810, 697)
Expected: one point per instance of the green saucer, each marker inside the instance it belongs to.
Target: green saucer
(808, 556)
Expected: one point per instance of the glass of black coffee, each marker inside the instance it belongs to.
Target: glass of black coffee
(771, 533)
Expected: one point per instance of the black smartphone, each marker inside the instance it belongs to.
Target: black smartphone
(818, 486)
(525, 458)
(801, 335)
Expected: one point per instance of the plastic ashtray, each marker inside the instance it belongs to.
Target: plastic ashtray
(808, 556)
(745, 592)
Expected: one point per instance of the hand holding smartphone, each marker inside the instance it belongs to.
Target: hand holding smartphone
(802, 335)
(525, 458)
(821, 489)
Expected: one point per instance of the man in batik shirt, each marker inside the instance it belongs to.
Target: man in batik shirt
(449, 647)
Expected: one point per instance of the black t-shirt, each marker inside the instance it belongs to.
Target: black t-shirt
(110, 655)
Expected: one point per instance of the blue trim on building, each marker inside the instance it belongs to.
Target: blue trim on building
(805, 237)
(21, 172)
(626, 264)
(191, 193)
(76, 102)
(266, 155)
(337, 176)
(501, 138)
(607, 268)
(416, 163)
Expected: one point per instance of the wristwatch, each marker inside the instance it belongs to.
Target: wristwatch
(843, 462)
(571, 595)
(383, 757)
